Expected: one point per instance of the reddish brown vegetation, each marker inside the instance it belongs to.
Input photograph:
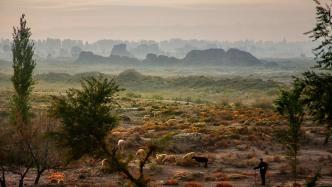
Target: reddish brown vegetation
(193, 184)
(171, 182)
(56, 177)
(223, 184)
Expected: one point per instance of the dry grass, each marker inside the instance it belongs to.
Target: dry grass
(234, 137)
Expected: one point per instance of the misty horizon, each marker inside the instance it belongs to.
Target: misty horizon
(282, 40)
(158, 20)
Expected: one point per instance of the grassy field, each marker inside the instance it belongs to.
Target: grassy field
(197, 89)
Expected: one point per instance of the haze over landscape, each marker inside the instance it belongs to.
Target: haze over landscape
(157, 93)
(230, 20)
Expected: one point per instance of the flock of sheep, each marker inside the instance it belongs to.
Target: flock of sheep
(187, 159)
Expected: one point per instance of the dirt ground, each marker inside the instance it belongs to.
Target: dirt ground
(233, 138)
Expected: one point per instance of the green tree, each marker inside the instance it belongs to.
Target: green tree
(23, 66)
(322, 33)
(87, 117)
(317, 96)
(318, 86)
(289, 104)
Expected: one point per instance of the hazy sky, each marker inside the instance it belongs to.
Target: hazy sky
(161, 19)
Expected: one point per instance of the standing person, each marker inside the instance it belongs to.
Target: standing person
(262, 166)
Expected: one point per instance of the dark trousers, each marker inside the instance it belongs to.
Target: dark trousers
(263, 177)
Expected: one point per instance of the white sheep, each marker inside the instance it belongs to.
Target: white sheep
(141, 154)
(121, 145)
(169, 159)
(160, 158)
(188, 156)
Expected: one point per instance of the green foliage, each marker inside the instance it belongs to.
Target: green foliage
(18, 158)
(23, 66)
(317, 96)
(86, 116)
(318, 87)
(289, 104)
(322, 33)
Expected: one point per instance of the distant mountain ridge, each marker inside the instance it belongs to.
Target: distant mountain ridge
(87, 57)
(221, 57)
(160, 60)
(121, 50)
(214, 56)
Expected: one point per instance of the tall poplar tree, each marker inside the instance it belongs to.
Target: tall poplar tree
(23, 66)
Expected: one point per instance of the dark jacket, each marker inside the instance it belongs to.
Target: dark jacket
(262, 167)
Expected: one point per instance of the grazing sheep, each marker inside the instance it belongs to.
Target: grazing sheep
(201, 160)
(169, 159)
(141, 154)
(160, 158)
(188, 156)
(121, 145)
